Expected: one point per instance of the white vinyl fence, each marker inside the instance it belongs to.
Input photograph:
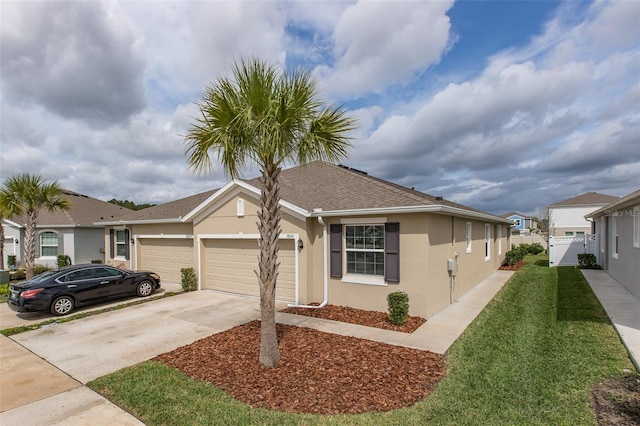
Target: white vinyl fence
(563, 251)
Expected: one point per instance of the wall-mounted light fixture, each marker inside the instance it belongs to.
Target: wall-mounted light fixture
(300, 244)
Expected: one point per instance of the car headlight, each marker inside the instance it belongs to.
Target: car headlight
(155, 276)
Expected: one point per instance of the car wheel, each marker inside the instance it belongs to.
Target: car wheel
(62, 305)
(145, 288)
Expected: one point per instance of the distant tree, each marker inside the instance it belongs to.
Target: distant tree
(543, 227)
(268, 117)
(130, 204)
(28, 194)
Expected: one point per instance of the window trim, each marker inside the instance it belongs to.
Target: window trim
(42, 234)
(359, 276)
(487, 242)
(636, 226)
(614, 236)
(122, 243)
(499, 240)
(469, 236)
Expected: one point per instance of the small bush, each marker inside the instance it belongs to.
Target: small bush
(63, 260)
(587, 260)
(536, 248)
(398, 307)
(18, 275)
(189, 281)
(38, 269)
(514, 256)
(96, 261)
(4, 292)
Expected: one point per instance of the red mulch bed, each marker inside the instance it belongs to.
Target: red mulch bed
(358, 316)
(318, 372)
(515, 267)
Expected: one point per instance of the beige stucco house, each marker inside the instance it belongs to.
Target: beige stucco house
(617, 225)
(347, 239)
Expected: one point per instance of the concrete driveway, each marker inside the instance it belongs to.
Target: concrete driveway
(63, 357)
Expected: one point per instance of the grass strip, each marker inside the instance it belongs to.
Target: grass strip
(530, 358)
(60, 320)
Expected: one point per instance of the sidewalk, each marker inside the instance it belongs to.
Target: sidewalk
(622, 307)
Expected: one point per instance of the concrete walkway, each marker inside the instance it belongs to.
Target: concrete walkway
(43, 371)
(435, 335)
(622, 307)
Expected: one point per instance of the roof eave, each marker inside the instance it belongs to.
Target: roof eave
(436, 208)
(140, 222)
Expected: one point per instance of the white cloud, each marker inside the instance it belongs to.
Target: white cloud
(383, 43)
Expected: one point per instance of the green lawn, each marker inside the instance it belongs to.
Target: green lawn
(530, 358)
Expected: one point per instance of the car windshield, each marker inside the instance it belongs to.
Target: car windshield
(43, 276)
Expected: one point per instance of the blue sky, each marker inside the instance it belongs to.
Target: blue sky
(499, 105)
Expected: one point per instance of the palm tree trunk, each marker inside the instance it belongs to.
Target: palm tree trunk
(30, 242)
(1, 244)
(269, 227)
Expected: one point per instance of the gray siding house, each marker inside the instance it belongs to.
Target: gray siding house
(72, 233)
(618, 227)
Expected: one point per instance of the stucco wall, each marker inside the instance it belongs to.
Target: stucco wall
(626, 267)
(570, 219)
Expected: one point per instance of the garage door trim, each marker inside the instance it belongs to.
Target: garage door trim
(200, 237)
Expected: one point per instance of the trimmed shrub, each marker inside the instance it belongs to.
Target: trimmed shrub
(96, 261)
(63, 260)
(514, 256)
(536, 248)
(18, 275)
(587, 260)
(189, 281)
(38, 269)
(398, 307)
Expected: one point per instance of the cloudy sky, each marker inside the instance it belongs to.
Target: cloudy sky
(497, 105)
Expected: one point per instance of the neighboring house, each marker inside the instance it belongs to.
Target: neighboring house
(618, 227)
(71, 232)
(347, 238)
(521, 224)
(567, 217)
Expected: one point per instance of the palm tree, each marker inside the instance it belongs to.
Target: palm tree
(266, 116)
(28, 194)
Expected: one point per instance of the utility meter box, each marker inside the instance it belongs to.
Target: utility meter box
(452, 267)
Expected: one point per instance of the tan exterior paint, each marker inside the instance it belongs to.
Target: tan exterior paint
(427, 240)
(165, 256)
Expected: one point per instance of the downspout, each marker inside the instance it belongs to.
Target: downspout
(325, 263)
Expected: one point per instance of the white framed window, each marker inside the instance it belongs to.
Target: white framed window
(614, 235)
(364, 249)
(487, 241)
(469, 229)
(579, 234)
(121, 243)
(568, 233)
(518, 222)
(499, 240)
(48, 244)
(636, 226)
(601, 234)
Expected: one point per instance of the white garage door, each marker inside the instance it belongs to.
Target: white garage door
(166, 256)
(229, 265)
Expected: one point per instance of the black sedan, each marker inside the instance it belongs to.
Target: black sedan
(62, 290)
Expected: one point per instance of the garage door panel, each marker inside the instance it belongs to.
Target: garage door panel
(166, 256)
(229, 265)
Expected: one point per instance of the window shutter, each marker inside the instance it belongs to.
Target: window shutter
(112, 243)
(60, 243)
(392, 252)
(336, 250)
(127, 247)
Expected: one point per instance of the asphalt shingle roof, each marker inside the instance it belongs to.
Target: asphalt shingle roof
(316, 185)
(586, 199)
(84, 211)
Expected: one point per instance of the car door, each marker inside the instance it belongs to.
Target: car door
(82, 285)
(114, 282)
